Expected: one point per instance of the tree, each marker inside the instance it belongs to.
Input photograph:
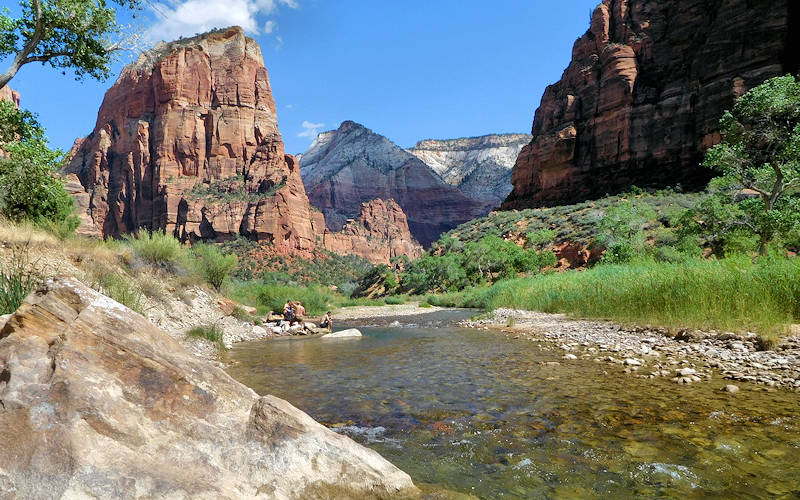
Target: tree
(74, 34)
(760, 152)
(621, 230)
(28, 189)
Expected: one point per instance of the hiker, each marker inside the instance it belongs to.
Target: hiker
(327, 322)
(289, 311)
(299, 311)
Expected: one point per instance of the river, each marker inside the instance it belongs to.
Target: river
(484, 414)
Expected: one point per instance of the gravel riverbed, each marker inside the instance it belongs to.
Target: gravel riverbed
(688, 356)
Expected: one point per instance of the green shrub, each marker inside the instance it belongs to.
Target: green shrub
(18, 278)
(118, 288)
(209, 332)
(395, 300)
(214, 266)
(240, 314)
(156, 247)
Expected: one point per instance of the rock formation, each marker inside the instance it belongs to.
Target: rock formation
(641, 100)
(8, 94)
(378, 234)
(97, 402)
(349, 166)
(187, 141)
(479, 166)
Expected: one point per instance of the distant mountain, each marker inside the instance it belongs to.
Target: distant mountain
(479, 166)
(346, 167)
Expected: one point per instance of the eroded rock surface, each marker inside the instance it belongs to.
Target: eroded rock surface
(479, 166)
(96, 402)
(379, 233)
(346, 167)
(641, 100)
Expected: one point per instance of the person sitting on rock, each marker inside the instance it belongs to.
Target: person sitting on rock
(289, 311)
(299, 311)
(327, 322)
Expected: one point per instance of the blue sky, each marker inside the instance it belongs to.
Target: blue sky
(409, 70)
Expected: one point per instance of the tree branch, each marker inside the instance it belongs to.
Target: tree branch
(29, 47)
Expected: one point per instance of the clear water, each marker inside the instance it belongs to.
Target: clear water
(480, 413)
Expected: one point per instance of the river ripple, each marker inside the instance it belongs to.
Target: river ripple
(479, 413)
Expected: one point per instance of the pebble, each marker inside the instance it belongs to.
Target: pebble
(689, 358)
(570, 356)
(733, 389)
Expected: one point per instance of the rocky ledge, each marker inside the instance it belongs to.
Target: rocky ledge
(687, 356)
(97, 402)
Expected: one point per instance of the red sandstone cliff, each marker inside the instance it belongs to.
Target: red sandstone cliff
(641, 100)
(378, 234)
(7, 94)
(187, 141)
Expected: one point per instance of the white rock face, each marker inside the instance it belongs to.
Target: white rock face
(351, 332)
(479, 166)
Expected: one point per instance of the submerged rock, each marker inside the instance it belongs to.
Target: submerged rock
(95, 401)
(350, 332)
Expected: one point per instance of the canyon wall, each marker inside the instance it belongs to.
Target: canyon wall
(641, 100)
(346, 167)
(479, 166)
(187, 141)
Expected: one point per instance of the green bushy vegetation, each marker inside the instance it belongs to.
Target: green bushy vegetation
(233, 189)
(156, 248)
(460, 265)
(729, 294)
(270, 297)
(214, 266)
(29, 188)
(209, 332)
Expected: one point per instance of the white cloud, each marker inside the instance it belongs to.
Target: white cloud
(289, 106)
(176, 18)
(310, 129)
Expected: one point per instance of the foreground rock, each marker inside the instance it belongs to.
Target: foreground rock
(350, 332)
(685, 357)
(641, 100)
(95, 401)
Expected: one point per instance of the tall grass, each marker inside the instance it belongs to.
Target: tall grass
(209, 332)
(729, 294)
(18, 278)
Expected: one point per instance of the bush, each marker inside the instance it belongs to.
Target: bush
(118, 288)
(208, 332)
(397, 299)
(17, 279)
(156, 247)
(213, 264)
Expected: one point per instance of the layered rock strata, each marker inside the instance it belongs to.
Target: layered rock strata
(479, 166)
(379, 234)
(641, 100)
(346, 167)
(97, 402)
(187, 141)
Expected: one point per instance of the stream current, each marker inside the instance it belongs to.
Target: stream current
(480, 413)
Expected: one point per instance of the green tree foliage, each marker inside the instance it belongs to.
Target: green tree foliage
(75, 34)
(28, 188)
(461, 266)
(760, 152)
(621, 230)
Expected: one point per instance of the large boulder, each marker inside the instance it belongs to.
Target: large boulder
(95, 401)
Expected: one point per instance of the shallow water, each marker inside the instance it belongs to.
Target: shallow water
(477, 412)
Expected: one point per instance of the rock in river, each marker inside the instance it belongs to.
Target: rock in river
(97, 402)
(350, 332)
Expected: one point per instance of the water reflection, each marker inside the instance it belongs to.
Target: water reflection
(479, 413)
